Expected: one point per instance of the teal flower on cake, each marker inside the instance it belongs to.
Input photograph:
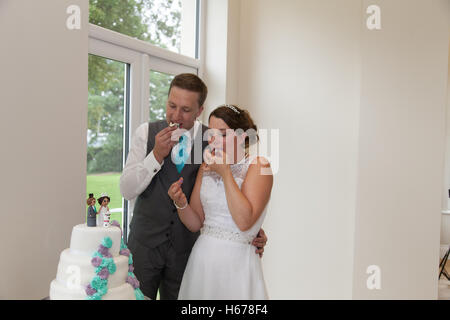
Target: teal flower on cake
(122, 245)
(139, 295)
(107, 242)
(97, 254)
(104, 264)
(107, 263)
(102, 291)
(98, 283)
(95, 296)
(112, 267)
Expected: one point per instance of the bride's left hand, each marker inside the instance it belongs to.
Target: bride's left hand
(216, 162)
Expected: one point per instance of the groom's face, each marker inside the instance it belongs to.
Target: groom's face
(182, 107)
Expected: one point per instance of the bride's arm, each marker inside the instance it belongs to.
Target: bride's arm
(192, 214)
(247, 204)
(195, 202)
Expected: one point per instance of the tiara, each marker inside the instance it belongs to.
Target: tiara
(233, 108)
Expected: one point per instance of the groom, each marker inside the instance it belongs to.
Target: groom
(158, 240)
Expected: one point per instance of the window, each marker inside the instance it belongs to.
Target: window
(129, 79)
(168, 24)
(159, 89)
(106, 105)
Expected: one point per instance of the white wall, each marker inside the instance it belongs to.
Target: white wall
(43, 121)
(299, 72)
(445, 218)
(401, 149)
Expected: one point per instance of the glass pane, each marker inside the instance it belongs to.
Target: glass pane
(169, 24)
(159, 90)
(105, 131)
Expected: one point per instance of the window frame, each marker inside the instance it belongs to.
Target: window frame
(142, 57)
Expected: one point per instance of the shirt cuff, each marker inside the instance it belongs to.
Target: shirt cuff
(152, 164)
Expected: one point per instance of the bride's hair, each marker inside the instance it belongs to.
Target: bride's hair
(100, 200)
(237, 118)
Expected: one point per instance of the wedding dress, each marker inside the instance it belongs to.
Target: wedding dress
(223, 263)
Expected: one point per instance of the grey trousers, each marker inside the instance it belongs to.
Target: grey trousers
(158, 268)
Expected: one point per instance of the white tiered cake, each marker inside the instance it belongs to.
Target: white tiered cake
(96, 266)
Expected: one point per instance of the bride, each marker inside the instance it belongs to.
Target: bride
(228, 204)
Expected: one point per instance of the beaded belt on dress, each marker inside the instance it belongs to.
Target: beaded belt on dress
(226, 234)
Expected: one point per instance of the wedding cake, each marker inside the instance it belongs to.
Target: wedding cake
(97, 266)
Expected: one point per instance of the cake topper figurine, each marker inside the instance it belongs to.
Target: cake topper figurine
(92, 211)
(105, 215)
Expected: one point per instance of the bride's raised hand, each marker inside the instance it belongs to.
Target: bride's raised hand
(216, 161)
(176, 193)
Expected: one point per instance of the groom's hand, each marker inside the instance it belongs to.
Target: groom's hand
(260, 242)
(163, 143)
(176, 193)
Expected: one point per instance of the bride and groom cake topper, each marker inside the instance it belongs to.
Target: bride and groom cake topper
(98, 218)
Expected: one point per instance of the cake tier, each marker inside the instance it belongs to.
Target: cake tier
(71, 266)
(61, 292)
(86, 240)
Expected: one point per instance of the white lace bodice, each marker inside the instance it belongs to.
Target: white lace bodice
(218, 220)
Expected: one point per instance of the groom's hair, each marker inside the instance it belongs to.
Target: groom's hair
(191, 82)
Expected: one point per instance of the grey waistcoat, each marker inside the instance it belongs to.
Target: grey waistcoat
(155, 218)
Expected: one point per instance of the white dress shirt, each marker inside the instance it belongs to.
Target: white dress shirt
(140, 169)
